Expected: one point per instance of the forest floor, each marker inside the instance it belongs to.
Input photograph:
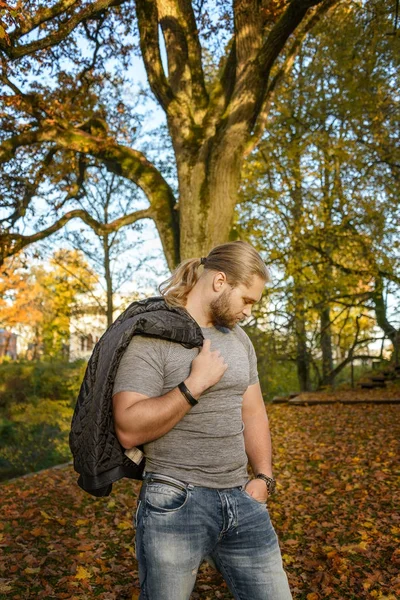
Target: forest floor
(345, 394)
(335, 512)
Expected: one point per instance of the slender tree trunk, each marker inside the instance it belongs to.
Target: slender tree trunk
(326, 271)
(326, 346)
(109, 282)
(302, 358)
(381, 317)
(302, 355)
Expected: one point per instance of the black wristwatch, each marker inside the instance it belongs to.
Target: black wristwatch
(269, 482)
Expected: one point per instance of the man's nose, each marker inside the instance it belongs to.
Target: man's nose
(247, 311)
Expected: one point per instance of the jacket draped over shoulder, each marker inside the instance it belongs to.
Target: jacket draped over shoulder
(98, 456)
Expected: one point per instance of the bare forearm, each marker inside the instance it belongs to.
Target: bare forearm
(257, 440)
(151, 418)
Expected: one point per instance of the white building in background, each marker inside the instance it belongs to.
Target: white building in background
(89, 323)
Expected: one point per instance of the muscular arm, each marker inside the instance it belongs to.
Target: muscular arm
(257, 438)
(139, 419)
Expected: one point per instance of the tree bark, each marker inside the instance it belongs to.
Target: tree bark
(210, 126)
(381, 318)
(326, 346)
(109, 282)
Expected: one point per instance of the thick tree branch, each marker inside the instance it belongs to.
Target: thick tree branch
(60, 33)
(282, 30)
(381, 312)
(250, 88)
(248, 31)
(283, 71)
(147, 15)
(12, 243)
(183, 47)
(42, 16)
(118, 159)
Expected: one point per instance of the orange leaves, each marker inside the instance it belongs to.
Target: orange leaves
(335, 518)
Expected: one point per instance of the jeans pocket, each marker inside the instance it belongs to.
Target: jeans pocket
(136, 516)
(261, 502)
(165, 498)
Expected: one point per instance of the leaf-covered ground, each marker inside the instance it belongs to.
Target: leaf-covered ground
(336, 513)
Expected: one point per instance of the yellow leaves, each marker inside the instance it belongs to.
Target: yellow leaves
(81, 522)
(367, 524)
(330, 491)
(363, 545)
(313, 596)
(124, 525)
(82, 573)
(395, 530)
(5, 587)
(32, 570)
(46, 516)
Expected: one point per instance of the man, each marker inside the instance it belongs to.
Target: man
(200, 416)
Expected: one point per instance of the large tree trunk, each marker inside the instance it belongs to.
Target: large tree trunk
(213, 121)
(208, 190)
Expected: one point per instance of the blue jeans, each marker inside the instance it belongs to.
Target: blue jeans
(178, 525)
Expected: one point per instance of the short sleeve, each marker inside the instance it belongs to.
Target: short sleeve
(141, 368)
(253, 378)
(248, 344)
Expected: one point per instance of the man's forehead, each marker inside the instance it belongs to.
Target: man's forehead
(254, 291)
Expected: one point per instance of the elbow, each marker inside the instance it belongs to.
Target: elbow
(127, 440)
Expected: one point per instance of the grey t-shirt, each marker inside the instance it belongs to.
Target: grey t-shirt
(206, 447)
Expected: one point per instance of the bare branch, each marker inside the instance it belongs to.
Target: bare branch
(30, 190)
(118, 159)
(12, 243)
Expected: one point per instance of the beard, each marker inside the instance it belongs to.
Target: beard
(220, 312)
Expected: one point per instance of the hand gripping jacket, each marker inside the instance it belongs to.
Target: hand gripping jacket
(98, 456)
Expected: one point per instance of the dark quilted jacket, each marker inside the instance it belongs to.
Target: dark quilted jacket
(98, 456)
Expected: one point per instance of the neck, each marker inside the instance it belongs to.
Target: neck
(197, 308)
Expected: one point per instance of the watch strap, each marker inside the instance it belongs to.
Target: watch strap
(269, 482)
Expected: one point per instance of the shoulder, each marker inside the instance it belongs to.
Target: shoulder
(243, 337)
(148, 345)
(241, 334)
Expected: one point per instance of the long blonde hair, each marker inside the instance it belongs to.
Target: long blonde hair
(238, 260)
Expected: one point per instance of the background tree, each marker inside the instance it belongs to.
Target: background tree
(321, 199)
(115, 255)
(215, 107)
(40, 300)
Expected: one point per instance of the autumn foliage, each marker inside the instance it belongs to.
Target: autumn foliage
(334, 512)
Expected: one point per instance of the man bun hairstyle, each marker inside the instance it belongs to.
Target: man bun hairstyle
(238, 260)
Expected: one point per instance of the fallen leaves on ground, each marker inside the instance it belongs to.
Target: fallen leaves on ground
(335, 514)
(390, 392)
